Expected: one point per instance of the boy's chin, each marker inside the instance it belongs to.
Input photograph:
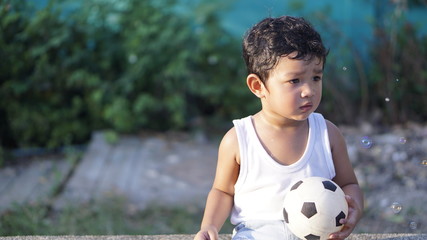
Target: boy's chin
(301, 117)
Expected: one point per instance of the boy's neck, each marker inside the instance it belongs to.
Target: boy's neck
(279, 123)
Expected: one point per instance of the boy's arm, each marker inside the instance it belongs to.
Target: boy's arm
(346, 179)
(221, 197)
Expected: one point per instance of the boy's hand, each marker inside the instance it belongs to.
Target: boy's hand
(350, 222)
(207, 233)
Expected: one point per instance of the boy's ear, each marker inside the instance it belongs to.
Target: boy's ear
(255, 85)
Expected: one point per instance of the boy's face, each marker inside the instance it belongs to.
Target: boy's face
(294, 88)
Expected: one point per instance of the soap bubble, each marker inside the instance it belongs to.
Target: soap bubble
(366, 142)
(396, 207)
(397, 79)
(387, 99)
(424, 162)
(402, 140)
(413, 225)
(344, 68)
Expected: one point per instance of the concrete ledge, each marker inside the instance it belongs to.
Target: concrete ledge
(396, 236)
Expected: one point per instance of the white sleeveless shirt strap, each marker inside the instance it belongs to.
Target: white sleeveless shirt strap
(325, 143)
(242, 133)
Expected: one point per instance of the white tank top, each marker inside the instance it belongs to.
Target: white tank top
(263, 182)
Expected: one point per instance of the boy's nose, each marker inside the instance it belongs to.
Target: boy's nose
(307, 91)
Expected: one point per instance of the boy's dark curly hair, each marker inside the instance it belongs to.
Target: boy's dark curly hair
(273, 38)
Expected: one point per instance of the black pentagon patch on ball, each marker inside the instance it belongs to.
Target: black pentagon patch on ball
(340, 216)
(329, 185)
(296, 185)
(312, 237)
(285, 215)
(309, 209)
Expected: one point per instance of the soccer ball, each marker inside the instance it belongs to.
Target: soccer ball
(313, 208)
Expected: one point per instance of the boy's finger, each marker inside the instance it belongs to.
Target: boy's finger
(340, 235)
(213, 235)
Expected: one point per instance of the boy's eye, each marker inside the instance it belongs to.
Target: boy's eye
(293, 81)
(317, 78)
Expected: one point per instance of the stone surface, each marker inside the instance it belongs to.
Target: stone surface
(33, 182)
(161, 169)
(222, 237)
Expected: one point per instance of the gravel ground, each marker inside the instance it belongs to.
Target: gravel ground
(392, 170)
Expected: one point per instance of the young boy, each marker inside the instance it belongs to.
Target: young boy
(264, 154)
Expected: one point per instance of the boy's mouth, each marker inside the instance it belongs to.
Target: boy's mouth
(306, 107)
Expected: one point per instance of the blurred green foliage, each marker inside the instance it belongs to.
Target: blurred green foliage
(387, 87)
(400, 75)
(123, 65)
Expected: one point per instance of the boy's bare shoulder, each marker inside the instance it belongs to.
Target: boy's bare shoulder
(335, 135)
(332, 128)
(229, 144)
(230, 138)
